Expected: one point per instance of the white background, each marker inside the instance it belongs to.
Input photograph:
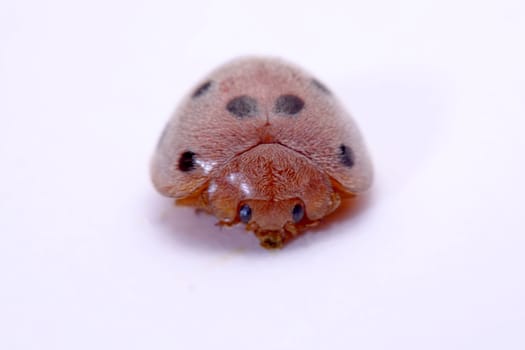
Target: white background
(91, 257)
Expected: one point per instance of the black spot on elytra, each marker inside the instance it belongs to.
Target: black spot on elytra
(288, 104)
(202, 89)
(346, 156)
(320, 86)
(187, 161)
(242, 106)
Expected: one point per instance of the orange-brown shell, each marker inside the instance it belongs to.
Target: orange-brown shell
(266, 157)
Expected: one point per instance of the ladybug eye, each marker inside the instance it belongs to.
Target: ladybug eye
(297, 213)
(245, 213)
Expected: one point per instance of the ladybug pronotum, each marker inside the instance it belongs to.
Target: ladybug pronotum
(262, 143)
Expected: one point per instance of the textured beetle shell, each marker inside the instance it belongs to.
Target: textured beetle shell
(269, 158)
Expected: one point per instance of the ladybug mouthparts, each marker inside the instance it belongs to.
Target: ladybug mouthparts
(276, 238)
(273, 239)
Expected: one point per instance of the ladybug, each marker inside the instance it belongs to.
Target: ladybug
(263, 143)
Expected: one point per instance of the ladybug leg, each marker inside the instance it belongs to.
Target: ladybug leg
(222, 223)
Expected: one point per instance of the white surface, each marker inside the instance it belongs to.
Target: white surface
(92, 258)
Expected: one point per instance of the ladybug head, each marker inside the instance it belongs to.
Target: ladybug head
(274, 222)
